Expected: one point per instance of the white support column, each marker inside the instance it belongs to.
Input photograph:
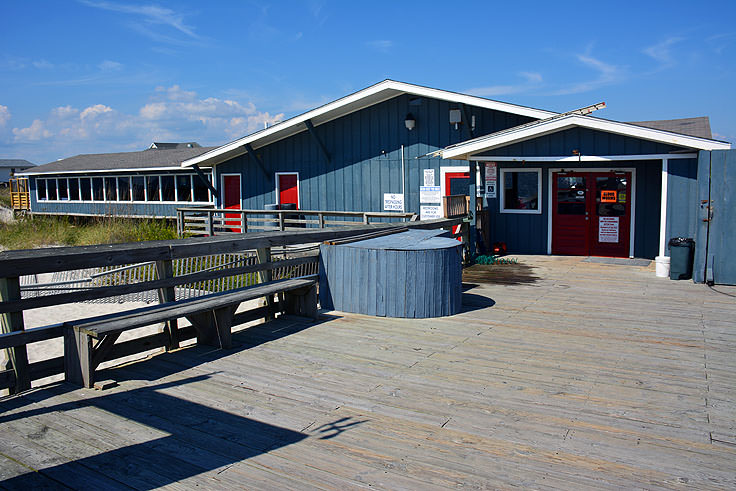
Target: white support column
(663, 210)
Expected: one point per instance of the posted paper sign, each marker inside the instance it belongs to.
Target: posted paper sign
(429, 177)
(491, 180)
(430, 212)
(430, 194)
(608, 229)
(393, 202)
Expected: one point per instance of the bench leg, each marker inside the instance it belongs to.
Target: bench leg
(214, 327)
(78, 366)
(302, 302)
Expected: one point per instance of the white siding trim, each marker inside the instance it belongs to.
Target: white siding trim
(501, 190)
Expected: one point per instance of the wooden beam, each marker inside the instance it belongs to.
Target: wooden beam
(468, 121)
(312, 132)
(165, 270)
(254, 156)
(201, 175)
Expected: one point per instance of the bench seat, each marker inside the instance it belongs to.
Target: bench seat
(211, 315)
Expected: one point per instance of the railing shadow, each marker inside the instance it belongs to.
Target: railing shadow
(175, 440)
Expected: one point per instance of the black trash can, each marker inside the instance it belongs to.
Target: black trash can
(271, 216)
(682, 251)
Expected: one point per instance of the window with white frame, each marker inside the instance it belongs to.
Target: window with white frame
(520, 190)
(179, 188)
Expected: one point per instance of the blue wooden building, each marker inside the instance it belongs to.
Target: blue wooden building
(552, 183)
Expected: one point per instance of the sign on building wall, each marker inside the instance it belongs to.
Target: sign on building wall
(608, 229)
(429, 177)
(491, 180)
(393, 202)
(430, 194)
(430, 212)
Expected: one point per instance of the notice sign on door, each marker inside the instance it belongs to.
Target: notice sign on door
(608, 229)
(429, 177)
(393, 202)
(490, 180)
(608, 196)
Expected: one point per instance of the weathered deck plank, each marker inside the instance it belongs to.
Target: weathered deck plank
(576, 375)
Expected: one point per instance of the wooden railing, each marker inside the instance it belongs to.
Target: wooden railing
(18, 374)
(218, 221)
(19, 194)
(456, 205)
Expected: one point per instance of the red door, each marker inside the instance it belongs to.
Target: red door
(457, 183)
(591, 213)
(288, 189)
(231, 200)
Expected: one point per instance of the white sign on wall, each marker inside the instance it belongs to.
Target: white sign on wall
(430, 212)
(490, 184)
(430, 194)
(608, 229)
(393, 202)
(429, 177)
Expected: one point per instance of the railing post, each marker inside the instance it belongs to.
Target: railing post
(180, 223)
(11, 322)
(243, 222)
(210, 223)
(264, 256)
(281, 220)
(365, 218)
(164, 270)
(321, 218)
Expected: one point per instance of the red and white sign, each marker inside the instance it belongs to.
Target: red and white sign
(490, 180)
(608, 229)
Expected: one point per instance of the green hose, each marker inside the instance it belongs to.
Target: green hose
(489, 260)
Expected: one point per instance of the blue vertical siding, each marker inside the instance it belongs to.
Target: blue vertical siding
(682, 199)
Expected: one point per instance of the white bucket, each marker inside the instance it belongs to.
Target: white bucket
(662, 266)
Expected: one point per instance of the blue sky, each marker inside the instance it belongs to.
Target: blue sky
(93, 76)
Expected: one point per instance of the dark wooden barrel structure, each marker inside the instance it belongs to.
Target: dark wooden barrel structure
(413, 274)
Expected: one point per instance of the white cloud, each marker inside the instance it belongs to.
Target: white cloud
(662, 52)
(110, 66)
(35, 132)
(607, 74)
(380, 44)
(42, 65)
(150, 14)
(532, 80)
(181, 116)
(4, 115)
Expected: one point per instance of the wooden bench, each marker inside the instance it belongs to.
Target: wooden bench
(211, 315)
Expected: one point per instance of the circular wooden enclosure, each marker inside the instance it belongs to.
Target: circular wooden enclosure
(413, 274)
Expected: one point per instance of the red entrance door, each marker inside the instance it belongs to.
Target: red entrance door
(288, 189)
(231, 200)
(591, 213)
(457, 183)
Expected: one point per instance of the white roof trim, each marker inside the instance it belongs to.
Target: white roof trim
(105, 171)
(374, 94)
(462, 151)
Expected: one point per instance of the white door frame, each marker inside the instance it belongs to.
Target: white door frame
(222, 186)
(593, 169)
(278, 190)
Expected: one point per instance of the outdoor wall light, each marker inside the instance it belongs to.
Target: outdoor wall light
(410, 122)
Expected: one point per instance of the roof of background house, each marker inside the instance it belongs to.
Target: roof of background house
(15, 164)
(110, 162)
(699, 126)
(169, 146)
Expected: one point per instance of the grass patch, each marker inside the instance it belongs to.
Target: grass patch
(5, 196)
(40, 231)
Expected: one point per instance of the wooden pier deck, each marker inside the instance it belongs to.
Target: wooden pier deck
(559, 373)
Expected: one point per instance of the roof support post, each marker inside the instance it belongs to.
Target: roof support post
(201, 175)
(253, 156)
(310, 127)
(468, 121)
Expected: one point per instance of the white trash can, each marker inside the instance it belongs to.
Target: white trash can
(662, 266)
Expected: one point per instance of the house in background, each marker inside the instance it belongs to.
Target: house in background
(150, 183)
(10, 167)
